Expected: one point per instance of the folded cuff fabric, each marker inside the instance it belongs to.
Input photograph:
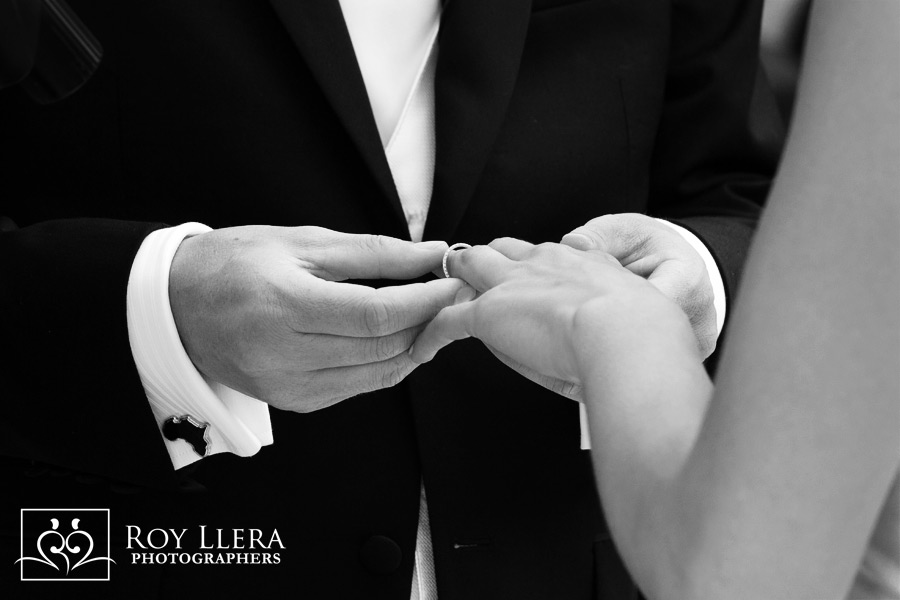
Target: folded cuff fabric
(175, 388)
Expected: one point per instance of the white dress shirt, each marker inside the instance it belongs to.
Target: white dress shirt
(396, 48)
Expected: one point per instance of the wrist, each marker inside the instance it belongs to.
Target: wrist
(173, 385)
(183, 291)
(617, 338)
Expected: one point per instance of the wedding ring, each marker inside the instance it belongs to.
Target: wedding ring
(457, 246)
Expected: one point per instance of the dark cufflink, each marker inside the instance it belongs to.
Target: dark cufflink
(188, 429)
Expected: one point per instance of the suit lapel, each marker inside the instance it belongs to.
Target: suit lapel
(479, 51)
(319, 31)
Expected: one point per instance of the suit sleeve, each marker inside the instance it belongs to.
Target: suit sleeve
(71, 393)
(720, 132)
(71, 396)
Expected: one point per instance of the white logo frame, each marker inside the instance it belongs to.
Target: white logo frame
(65, 546)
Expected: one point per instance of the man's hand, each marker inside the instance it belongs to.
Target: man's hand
(261, 310)
(558, 316)
(658, 253)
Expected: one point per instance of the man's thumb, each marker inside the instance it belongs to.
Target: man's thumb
(613, 234)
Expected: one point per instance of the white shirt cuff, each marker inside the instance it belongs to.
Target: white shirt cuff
(175, 388)
(712, 270)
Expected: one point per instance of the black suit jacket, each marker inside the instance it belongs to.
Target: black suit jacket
(232, 112)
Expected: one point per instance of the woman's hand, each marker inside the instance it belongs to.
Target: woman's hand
(552, 312)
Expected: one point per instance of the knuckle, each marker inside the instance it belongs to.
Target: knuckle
(390, 376)
(598, 231)
(634, 230)
(586, 230)
(610, 222)
(465, 257)
(377, 316)
(310, 232)
(384, 347)
(636, 241)
(502, 241)
(311, 237)
(547, 251)
(589, 231)
(373, 243)
(546, 248)
(279, 318)
(632, 221)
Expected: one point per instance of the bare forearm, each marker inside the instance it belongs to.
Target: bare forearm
(642, 432)
(777, 494)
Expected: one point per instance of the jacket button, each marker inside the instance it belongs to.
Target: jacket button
(380, 555)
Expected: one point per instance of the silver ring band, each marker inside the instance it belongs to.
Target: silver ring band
(457, 246)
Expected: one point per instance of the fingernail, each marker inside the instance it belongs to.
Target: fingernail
(579, 241)
(431, 245)
(464, 295)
